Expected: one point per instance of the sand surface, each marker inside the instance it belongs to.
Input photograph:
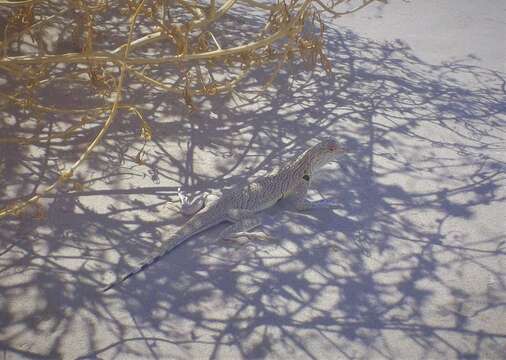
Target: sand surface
(411, 266)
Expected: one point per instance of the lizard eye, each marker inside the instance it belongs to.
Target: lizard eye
(332, 147)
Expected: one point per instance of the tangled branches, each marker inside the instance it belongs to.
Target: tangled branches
(185, 48)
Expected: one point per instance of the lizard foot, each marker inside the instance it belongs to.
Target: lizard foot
(320, 204)
(326, 204)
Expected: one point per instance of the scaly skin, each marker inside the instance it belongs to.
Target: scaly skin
(240, 205)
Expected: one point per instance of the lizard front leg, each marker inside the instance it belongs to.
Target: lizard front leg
(300, 194)
(300, 197)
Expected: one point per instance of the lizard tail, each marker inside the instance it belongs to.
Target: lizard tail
(142, 266)
(198, 223)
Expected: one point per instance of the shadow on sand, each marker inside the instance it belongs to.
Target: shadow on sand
(403, 265)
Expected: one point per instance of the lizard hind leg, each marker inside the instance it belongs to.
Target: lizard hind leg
(243, 221)
(188, 207)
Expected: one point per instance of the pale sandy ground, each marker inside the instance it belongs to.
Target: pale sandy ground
(412, 266)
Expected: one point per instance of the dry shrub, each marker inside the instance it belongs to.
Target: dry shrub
(185, 48)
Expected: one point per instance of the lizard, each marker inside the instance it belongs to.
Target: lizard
(240, 205)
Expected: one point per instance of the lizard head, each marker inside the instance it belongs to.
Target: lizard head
(327, 150)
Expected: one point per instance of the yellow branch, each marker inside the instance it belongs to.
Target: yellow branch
(32, 27)
(66, 175)
(258, 5)
(153, 37)
(291, 27)
(337, 13)
(15, 2)
(103, 57)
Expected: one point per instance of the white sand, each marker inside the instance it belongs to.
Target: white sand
(413, 266)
